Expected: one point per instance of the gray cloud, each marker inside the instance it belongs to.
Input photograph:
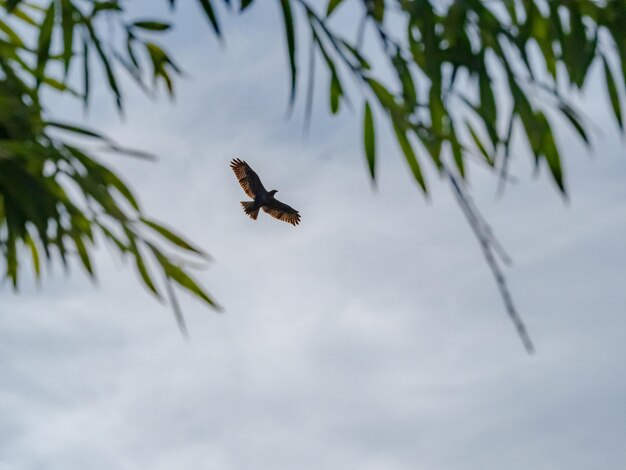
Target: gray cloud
(370, 337)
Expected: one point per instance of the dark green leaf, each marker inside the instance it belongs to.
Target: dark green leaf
(67, 10)
(245, 4)
(487, 100)
(82, 252)
(335, 93)
(369, 139)
(77, 130)
(11, 4)
(210, 13)
(172, 237)
(141, 265)
(86, 79)
(43, 42)
(179, 276)
(35, 255)
(478, 142)
(107, 66)
(574, 119)
(291, 45)
(409, 155)
(332, 4)
(376, 9)
(613, 93)
(152, 25)
(385, 98)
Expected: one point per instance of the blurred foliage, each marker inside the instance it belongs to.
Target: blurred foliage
(56, 198)
(459, 80)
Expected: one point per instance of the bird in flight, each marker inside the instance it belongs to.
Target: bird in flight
(263, 199)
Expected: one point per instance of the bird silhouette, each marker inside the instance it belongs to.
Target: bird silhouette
(262, 199)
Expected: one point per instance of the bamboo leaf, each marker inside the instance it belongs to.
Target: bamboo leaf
(141, 265)
(179, 276)
(291, 46)
(172, 237)
(332, 4)
(335, 93)
(210, 13)
(613, 93)
(152, 25)
(369, 140)
(409, 155)
(67, 19)
(245, 4)
(43, 42)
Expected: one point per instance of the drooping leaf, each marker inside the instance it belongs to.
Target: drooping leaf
(210, 13)
(141, 265)
(67, 18)
(245, 4)
(152, 25)
(335, 93)
(369, 140)
(290, 35)
(332, 4)
(181, 278)
(44, 41)
(106, 64)
(171, 236)
(613, 93)
(409, 155)
(574, 119)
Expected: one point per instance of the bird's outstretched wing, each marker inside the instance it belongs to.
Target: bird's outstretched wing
(248, 179)
(283, 212)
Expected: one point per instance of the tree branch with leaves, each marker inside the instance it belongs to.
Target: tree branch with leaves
(470, 80)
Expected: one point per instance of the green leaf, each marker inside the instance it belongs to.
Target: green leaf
(179, 276)
(82, 252)
(369, 140)
(110, 236)
(335, 93)
(35, 255)
(554, 161)
(332, 4)
(86, 77)
(152, 25)
(613, 93)
(376, 9)
(15, 39)
(107, 66)
(99, 6)
(112, 179)
(210, 13)
(245, 4)
(487, 100)
(141, 265)
(479, 143)
(67, 19)
(457, 151)
(43, 42)
(574, 119)
(77, 130)
(172, 237)
(409, 155)
(385, 98)
(291, 45)
(11, 4)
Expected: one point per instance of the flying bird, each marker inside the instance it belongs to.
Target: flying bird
(263, 199)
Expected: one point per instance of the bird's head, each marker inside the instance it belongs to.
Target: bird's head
(273, 191)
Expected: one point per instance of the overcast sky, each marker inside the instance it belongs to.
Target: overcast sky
(370, 337)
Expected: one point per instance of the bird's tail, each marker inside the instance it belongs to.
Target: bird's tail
(250, 208)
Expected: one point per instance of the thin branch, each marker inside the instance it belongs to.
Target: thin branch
(487, 247)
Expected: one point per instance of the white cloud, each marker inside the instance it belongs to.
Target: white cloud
(371, 336)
